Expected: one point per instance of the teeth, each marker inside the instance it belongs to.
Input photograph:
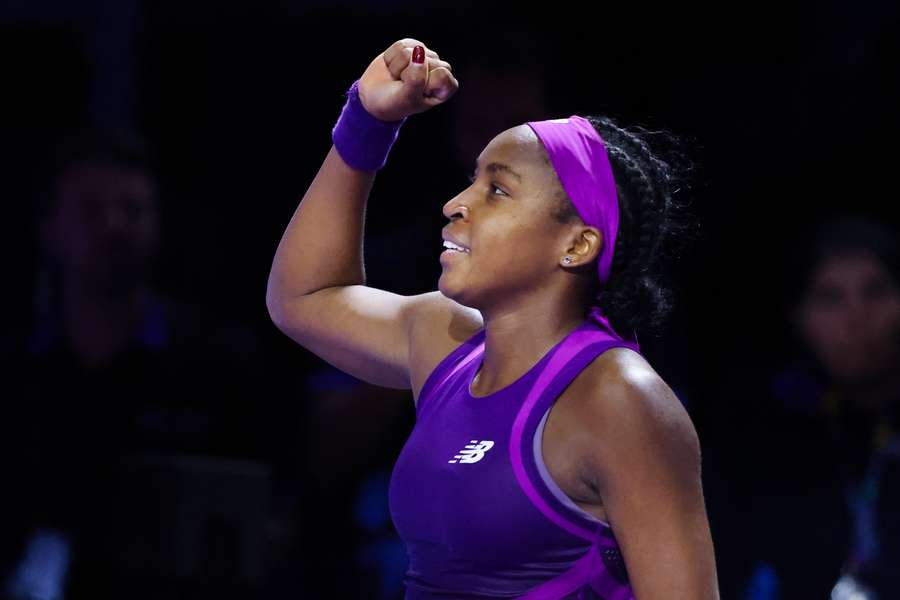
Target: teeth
(452, 246)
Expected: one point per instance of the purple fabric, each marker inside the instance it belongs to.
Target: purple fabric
(578, 155)
(547, 478)
(362, 140)
(565, 358)
(487, 525)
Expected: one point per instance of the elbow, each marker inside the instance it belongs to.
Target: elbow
(274, 305)
(272, 309)
(286, 312)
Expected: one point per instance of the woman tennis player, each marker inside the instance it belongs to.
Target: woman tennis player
(548, 459)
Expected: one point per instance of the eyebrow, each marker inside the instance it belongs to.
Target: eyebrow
(496, 167)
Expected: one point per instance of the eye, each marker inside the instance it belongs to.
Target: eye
(828, 297)
(473, 178)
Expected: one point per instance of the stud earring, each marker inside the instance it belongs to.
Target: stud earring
(567, 260)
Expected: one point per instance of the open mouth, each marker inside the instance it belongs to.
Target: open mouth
(451, 247)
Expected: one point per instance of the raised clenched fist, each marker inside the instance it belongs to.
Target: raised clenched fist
(396, 84)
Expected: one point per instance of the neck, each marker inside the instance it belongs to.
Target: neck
(516, 340)
(99, 320)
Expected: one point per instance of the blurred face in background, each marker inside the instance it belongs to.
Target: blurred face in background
(850, 317)
(105, 225)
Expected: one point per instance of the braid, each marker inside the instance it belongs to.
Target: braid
(636, 298)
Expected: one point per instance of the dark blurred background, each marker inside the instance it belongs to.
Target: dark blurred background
(151, 154)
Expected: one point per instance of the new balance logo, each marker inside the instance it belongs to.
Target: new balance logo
(473, 452)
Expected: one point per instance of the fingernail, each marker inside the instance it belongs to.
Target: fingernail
(418, 55)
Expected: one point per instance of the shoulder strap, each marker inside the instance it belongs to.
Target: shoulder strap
(461, 356)
(568, 360)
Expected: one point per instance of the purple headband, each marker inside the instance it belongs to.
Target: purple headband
(578, 154)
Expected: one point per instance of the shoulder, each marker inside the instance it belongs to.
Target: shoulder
(640, 451)
(433, 311)
(437, 326)
(622, 380)
(629, 418)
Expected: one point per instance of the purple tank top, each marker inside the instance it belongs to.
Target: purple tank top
(472, 500)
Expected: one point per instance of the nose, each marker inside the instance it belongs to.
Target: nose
(454, 208)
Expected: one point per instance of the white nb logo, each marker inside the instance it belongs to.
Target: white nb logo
(473, 452)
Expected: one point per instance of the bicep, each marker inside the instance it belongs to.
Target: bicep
(361, 330)
(647, 461)
(382, 338)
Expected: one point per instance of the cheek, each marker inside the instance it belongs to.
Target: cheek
(850, 348)
(884, 323)
(517, 236)
(513, 259)
(828, 343)
(822, 329)
(73, 242)
(885, 313)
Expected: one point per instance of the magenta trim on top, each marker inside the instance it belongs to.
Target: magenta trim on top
(564, 354)
(577, 576)
(431, 384)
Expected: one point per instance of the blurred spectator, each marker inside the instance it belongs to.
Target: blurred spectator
(110, 367)
(815, 473)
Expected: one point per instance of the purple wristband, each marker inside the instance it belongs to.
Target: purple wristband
(362, 140)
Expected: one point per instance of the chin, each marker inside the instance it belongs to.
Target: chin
(442, 287)
(449, 291)
(460, 298)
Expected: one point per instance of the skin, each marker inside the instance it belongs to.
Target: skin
(103, 233)
(618, 441)
(105, 226)
(850, 319)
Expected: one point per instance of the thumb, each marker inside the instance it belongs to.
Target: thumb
(415, 76)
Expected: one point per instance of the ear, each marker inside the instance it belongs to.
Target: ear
(585, 245)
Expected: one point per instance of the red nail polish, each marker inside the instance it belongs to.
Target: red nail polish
(418, 56)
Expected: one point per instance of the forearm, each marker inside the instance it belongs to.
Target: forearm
(323, 243)
(322, 246)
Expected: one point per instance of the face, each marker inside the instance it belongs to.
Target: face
(105, 224)
(850, 317)
(514, 242)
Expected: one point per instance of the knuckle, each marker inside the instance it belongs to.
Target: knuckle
(441, 73)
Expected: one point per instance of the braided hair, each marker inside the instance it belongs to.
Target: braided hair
(652, 223)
